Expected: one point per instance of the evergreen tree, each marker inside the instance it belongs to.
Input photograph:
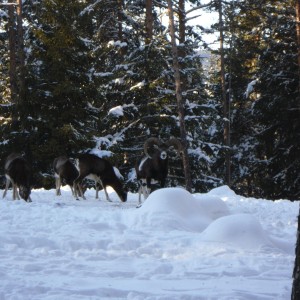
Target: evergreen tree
(243, 37)
(277, 109)
(263, 85)
(60, 117)
(92, 83)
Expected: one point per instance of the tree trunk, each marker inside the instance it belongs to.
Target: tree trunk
(21, 56)
(12, 54)
(182, 22)
(298, 38)
(181, 39)
(120, 17)
(296, 272)
(225, 100)
(186, 164)
(149, 22)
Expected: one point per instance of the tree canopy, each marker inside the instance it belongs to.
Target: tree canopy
(99, 74)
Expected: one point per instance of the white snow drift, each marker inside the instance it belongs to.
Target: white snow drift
(178, 245)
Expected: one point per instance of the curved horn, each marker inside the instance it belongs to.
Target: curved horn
(173, 142)
(151, 142)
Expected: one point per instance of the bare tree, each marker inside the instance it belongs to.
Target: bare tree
(183, 135)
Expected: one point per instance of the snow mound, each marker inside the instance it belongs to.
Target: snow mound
(221, 191)
(241, 230)
(172, 209)
(213, 206)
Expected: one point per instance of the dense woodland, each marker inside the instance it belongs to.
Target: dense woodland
(84, 74)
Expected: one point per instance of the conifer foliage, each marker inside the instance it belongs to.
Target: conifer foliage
(262, 63)
(100, 74)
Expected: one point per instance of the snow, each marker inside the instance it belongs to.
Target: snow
(138, 85)
(116, 111)
(177, 245)
(250, 88)
(102, 74)
(116, 44)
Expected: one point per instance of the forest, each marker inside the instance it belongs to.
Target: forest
(108, 74)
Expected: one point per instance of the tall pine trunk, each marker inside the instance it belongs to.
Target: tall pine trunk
(298, 39)
(182, 26)
(21, 55)
(17, 58)
(183, 135)
(296, 272)
(225, 100)
(149, 22)
(120, 17)
(12, 53)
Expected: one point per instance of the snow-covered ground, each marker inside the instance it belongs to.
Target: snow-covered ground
(176, 246)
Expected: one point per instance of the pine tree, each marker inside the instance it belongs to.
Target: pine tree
(277, 109)
(94, 84)
(263, 84)
(60, 118)
(244, 39)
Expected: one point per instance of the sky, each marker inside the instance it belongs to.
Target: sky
(202, 18)
(206, 19)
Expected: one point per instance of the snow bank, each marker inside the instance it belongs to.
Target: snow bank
(242, 230)
(171, 209)
(176, 209)
(178, 246)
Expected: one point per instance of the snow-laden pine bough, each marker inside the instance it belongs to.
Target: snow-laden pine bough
(18, 172)
(102, 172)
(154, 167)
(65, 170)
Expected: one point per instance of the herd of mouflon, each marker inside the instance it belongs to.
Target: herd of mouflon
(152, 166)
